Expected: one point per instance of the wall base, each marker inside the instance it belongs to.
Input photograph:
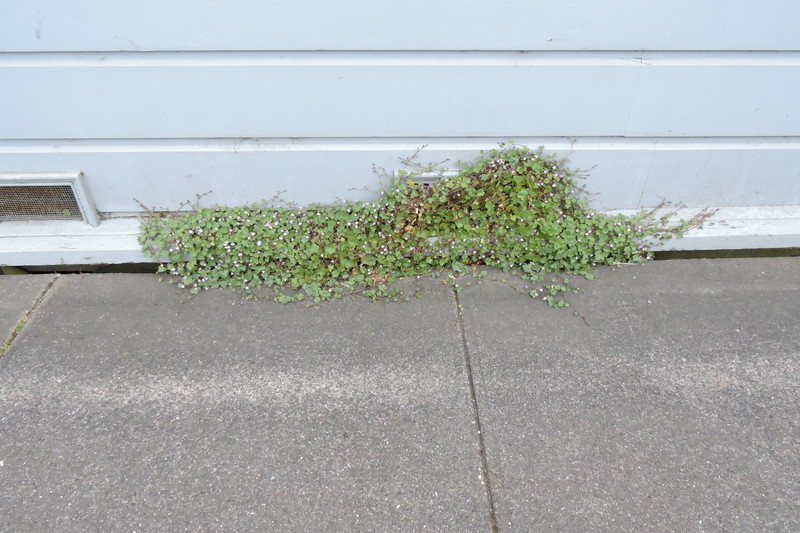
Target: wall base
(114, 241)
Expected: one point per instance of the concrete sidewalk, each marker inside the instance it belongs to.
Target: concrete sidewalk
(672, 403)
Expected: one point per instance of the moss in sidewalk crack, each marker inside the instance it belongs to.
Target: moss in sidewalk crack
(17, 330)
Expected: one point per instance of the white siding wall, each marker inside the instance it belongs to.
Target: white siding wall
(690, 101)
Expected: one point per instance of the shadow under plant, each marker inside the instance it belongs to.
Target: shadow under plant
(513, 208)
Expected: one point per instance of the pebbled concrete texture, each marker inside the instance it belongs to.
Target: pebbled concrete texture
(673, 407)
(127, 405)
(18, 294)
(670, 402)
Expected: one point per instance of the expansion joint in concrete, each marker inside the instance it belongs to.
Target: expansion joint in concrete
(476, 416)
(24, 320)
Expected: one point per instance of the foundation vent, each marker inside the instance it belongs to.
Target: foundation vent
(426, 178)
(26, 196)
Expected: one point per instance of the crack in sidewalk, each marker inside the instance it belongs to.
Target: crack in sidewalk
(24, 320)
(476, 416)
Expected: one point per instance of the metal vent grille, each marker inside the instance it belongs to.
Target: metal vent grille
(56, 196)
(38, 202)
(426, 178)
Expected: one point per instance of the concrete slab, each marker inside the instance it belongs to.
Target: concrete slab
(18, 294)
(674, 409)
(125, 403)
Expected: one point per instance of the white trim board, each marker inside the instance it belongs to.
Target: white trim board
(737, 228)
(114, 241)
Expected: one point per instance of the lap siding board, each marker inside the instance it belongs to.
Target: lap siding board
(155, 104)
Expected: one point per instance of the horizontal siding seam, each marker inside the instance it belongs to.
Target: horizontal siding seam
(623, 58)
(372, 144)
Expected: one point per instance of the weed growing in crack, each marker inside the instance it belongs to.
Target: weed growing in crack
(513, 208)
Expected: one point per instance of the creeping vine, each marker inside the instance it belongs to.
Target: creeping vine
(513, 208)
